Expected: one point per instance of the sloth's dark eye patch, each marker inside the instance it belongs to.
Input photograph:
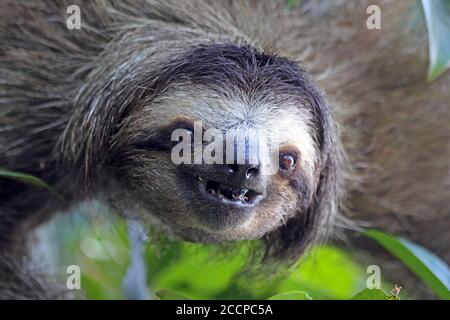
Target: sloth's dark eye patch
(183, 124)
(287, 162)
(188, 132)
(155, 142)
(162, 140)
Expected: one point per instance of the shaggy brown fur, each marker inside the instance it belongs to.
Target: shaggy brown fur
(77, 106)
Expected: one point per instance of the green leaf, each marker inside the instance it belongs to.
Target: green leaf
(28, 179)
(373, 294)
(437, 16)
(428, 267)
(182, 274)
(292, 295)
(171, 295)
(327, 272)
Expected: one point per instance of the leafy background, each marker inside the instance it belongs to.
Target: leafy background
(100, 245)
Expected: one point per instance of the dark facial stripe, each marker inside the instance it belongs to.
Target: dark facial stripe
(237, 65)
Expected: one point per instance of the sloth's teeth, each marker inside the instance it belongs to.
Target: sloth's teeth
(223, 191)
(239, 193)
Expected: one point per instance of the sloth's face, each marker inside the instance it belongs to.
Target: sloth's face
(227, 143)
(208, 167)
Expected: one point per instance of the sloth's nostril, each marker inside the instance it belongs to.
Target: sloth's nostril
(233, 168)
(252, 172)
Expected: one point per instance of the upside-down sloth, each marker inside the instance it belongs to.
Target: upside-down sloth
(363, 139)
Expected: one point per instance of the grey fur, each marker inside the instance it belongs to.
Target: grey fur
(75, 104)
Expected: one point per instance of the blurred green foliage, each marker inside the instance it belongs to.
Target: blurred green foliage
(432, 270)
(100, 246)
(374, 294)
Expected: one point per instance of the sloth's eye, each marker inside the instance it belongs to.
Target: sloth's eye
(287, 162)
(187, 132)
(162, 139)
(182, 127)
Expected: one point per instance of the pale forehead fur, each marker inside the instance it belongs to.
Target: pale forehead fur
(236, 112)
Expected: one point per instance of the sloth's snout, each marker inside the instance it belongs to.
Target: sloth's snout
(241, 172)
(246, 172)
(236, 185)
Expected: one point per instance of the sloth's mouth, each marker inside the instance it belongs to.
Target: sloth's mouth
(228, 194)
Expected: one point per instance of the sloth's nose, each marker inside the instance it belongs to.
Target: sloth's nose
(246, 172)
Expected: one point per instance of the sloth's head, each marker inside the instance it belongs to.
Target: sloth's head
(258, 145)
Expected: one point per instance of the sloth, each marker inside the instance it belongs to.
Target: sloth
(363, 139)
